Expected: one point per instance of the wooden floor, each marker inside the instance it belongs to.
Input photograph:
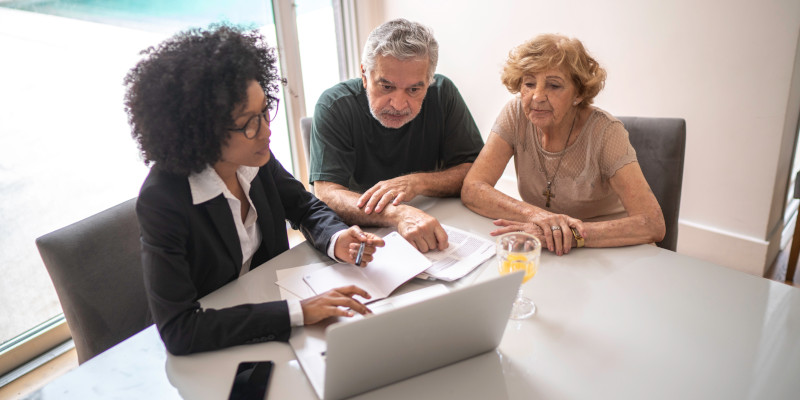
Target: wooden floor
(777, 272)
(39, 377)
(64, 363)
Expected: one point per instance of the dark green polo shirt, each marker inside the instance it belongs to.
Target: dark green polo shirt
(350, 147)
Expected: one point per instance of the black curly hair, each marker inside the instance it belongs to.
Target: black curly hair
(180, 97)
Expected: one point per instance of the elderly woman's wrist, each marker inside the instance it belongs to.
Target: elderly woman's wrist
(536, 214)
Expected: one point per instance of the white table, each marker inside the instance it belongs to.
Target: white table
(625, 323)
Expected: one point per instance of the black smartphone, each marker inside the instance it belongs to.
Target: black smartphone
(251, 380)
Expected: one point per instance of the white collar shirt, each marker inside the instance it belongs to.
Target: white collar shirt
(207, 185)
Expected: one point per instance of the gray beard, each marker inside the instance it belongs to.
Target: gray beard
(374, 115)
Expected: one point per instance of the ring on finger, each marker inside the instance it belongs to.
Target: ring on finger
(555, 228)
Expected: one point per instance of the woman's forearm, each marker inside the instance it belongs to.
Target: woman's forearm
(485, 200)
(635, 229)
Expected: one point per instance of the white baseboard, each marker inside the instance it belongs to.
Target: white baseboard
(742, 253)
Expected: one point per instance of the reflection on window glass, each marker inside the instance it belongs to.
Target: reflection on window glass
(65, 145)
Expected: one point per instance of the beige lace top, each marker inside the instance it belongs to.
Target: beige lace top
(581, 186)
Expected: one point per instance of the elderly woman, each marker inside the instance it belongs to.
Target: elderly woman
(576, 170)
(215, 202)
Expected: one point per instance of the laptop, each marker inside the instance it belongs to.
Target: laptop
(404, 336)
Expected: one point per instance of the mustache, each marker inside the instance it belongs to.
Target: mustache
(395, 113)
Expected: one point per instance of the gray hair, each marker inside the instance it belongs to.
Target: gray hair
(402, 40)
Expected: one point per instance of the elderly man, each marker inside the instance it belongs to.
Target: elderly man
(398, 132)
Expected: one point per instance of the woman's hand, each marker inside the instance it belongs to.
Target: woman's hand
(348, 243)
(553, 230)
(338, 302)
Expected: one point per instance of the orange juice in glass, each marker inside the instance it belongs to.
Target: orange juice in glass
(519, 251)
(519, 262)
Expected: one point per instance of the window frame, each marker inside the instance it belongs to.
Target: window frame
(27, 346)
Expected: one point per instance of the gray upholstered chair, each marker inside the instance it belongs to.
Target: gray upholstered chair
(96, 268)
(305, 133)
(660, 144)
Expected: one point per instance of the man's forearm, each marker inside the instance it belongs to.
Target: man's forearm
(343, 201)
(444, 183)
(417, 227)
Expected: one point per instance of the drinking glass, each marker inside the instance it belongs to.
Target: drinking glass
(519, 251)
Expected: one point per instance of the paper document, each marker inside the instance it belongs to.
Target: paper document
(291, 284)
(466, 251)
(394, 264)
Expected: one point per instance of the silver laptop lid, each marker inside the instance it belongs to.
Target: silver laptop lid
(407, 341)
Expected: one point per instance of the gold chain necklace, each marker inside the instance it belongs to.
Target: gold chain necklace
(548, 192)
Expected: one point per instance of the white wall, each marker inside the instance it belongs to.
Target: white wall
(724, 66)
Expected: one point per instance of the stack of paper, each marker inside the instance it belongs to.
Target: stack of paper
(394, 264)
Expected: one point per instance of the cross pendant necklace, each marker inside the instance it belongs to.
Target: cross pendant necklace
(548, 192)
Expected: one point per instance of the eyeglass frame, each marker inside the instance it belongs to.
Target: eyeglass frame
(266, 116)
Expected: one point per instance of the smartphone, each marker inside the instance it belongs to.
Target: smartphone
(251, 380)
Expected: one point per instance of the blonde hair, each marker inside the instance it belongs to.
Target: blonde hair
(552, 51)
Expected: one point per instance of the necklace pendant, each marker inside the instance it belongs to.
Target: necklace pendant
(548, 193)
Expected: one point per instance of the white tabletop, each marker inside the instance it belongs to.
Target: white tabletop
(624, 323)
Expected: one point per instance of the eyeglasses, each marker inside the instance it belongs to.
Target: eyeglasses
(253, 125)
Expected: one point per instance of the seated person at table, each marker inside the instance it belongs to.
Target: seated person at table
(398, 132)
(576, 170)
(215, 202)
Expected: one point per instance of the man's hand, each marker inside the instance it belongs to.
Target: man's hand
(419, 228)
(422, 230)
(348, 243)
(337, 302)
(394, 191)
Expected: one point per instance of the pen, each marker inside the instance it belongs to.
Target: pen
(360, 253)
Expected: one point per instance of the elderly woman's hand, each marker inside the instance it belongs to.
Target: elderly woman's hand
(553, 230)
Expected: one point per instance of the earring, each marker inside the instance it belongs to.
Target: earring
(575, 103)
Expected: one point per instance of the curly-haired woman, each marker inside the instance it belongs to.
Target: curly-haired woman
(576, 170)
(215, 202)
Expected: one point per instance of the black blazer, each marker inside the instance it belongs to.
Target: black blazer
(188, 251)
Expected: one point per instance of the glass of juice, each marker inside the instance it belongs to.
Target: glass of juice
(519, 251)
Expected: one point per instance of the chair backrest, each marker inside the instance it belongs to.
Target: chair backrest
(96, 268)
(660, 144)
(305, 133)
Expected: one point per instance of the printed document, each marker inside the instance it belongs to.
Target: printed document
(466, 251)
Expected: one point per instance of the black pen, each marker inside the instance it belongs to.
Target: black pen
(360, 253)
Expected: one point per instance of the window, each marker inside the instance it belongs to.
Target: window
(65, 146)
(318, 53)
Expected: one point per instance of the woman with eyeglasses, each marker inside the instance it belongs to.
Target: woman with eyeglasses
(215, 202)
